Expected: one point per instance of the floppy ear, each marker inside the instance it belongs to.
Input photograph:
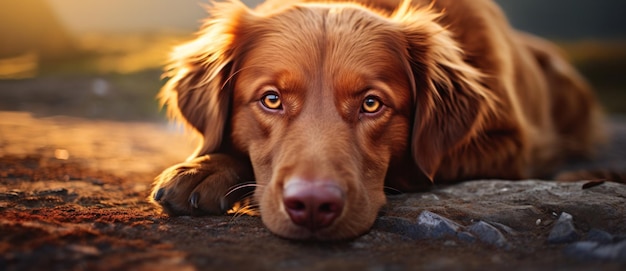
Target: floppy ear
(451, 103)
(198, 91)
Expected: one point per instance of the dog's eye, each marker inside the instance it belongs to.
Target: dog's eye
(271, 101)
(371, 105)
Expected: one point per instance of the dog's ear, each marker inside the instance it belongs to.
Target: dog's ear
(199, 89)
(451, 103)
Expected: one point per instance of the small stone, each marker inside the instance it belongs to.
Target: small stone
(53, 192)
(503, 228)
(600, 236)
(433, 226)
(563, 230)
(12, 194)
(489, 234)
(589, 250)
(581, 250)
(466, 237)
(613, 251)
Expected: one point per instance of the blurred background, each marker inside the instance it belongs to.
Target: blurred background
(103, 59)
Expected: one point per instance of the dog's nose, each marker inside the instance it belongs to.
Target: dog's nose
(313, 204)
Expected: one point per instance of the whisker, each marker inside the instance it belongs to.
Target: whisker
(250, 210)
(240, 186)
(391, 190)
(248, 195)
(245, 207)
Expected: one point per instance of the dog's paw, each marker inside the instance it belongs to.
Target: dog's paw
(201, 186)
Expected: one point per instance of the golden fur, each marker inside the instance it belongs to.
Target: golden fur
(459, 95)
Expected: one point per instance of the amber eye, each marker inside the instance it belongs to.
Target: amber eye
(371, 105)
(271, 101)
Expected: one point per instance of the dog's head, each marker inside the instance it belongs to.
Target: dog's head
(324, 98)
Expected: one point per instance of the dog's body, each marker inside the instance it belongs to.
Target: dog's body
(325, 104)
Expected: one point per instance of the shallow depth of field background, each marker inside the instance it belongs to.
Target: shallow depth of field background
(104, 59)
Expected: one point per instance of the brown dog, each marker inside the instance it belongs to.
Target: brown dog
(325, 104)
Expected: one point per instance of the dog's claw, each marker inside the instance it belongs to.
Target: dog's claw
(159, 194)
(193, 199)
(223, 204)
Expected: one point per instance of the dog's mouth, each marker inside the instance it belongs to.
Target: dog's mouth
(314, 210)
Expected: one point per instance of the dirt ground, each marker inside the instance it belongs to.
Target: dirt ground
(73, 197)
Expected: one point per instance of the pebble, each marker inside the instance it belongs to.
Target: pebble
(563, 230)
(53, 192)
(466, 237)
(503, 228)
(488, 234)
(600, 236)
(430, 225)
(12, 194)
(433, 226)
(590, 250)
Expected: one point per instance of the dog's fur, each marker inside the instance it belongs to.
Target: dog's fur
(463, 95)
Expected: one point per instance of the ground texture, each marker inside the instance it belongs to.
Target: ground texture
(73, 197)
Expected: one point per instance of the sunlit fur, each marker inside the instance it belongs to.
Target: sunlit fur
(464, 96)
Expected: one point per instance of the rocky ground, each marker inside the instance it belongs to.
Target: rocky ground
(73, 197)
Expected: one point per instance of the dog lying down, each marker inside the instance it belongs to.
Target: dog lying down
(325, 104)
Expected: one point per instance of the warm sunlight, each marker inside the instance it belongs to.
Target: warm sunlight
(312, 135)
(22, 66)
(92, 36)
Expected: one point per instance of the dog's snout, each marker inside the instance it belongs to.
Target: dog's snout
(313, 204)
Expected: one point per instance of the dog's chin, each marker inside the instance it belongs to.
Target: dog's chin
(358, 215)
(356, 220)
(339, 231)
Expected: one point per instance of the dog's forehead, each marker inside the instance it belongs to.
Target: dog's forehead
(331, 39)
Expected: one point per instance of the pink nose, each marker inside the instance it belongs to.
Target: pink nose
(313, 204)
